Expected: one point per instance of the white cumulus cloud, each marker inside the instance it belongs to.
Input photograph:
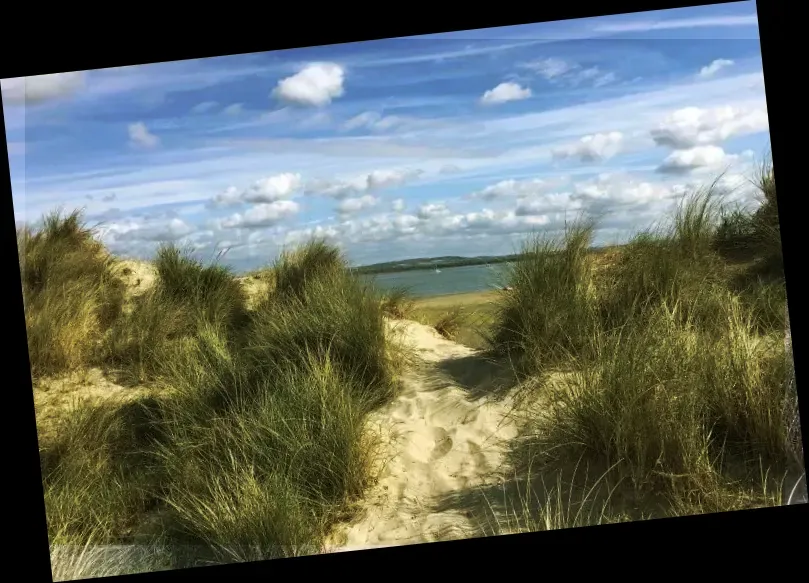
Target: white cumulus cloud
(429, 211)
(683, 161)
(317, 85)
(592, 148)
(609, 189)
(273, 188)
(262, 215)
(373, 181)
(517, 188)
(354, 205)
(693, 126)
(505, 92)
(230, 196)
(139, 135)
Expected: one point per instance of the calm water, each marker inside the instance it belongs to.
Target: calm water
(452, 280)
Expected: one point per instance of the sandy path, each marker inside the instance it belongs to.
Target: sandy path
(439, 442)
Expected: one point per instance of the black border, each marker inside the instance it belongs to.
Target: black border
(641, 549)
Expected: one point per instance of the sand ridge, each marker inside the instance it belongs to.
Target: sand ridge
(438, 442)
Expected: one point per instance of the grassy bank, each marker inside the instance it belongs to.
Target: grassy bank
(667, 373)
(660, 377)
(241, 433)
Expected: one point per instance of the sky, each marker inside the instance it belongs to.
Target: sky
(459, 143)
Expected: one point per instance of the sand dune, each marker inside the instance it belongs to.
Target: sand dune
(438, 440)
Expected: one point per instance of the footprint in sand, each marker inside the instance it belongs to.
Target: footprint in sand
(443, 443)
(470, 417)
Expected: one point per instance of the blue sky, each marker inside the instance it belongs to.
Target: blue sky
(456, 143)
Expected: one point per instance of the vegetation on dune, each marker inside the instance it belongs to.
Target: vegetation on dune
(450, 323)
(671, 374)
(397, 303)
(186, 292)
(547, 313)
(266, 476)
(256, 430)
(667, 371)
(70, 293)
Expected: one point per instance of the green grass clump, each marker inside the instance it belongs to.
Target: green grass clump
(450, 323)
(70, 294)
(745, 384)
(96, 473)
(255, 443)
(210, 291)
(397, 303)
(185, 292)
(679, 412)
(330, 311)
(267, 476)
(682, 383)
(670, 263)
(301, 268)
(633, 403)
(548, 314)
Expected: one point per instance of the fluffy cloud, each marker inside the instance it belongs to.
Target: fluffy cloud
(231, 196)
(505, 92)
(354, 205)
(273, 188)
(140, 136)
(398, 205)
(270, 189)
(358, 185)
(622, 202)
(516, 188)
(298, 236)
(692, 126)
(619, 189)
(317, 85)
(430, 211)
(117, 234)
(684, 161)
(542, 204)
(715, 66)
(41, 88)
(262, 215)
(592, 148)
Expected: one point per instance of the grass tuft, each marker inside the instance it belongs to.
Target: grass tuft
(70, 293)
(548, 313)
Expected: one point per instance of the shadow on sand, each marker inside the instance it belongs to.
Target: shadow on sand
(478, 375)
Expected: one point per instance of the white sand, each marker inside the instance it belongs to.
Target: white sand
(439, 443)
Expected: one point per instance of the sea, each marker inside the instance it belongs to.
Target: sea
(445, 281)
